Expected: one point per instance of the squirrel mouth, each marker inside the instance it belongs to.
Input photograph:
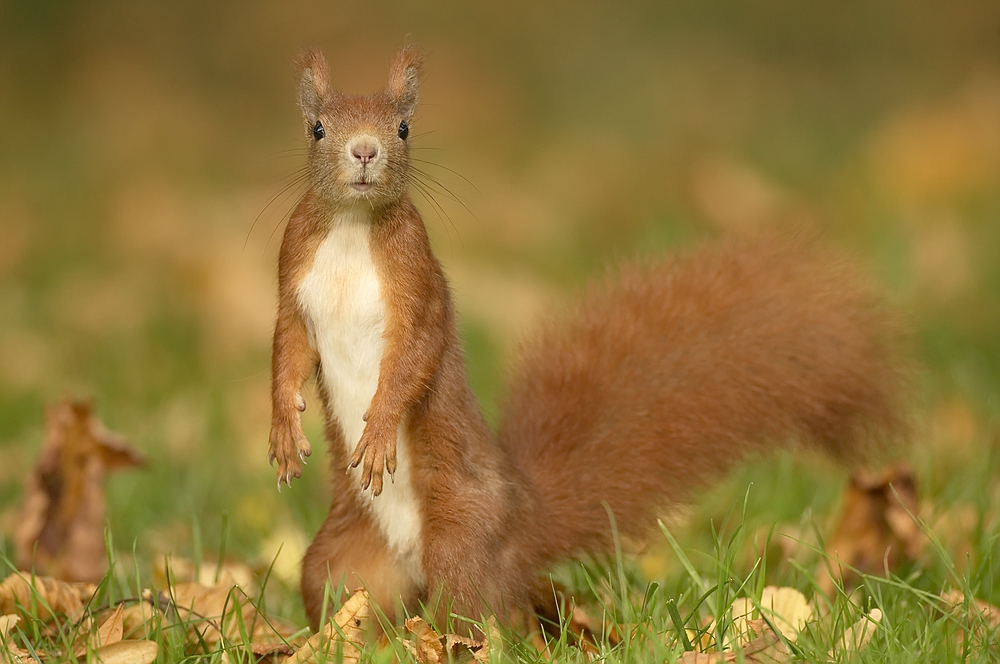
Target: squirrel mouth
(361, 186)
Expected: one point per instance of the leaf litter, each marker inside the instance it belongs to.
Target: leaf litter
(62, 532)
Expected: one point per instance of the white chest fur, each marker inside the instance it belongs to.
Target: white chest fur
(341, 298)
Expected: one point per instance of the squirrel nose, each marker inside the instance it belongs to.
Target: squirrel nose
(364, 151)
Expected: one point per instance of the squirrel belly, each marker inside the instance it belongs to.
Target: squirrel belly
(344, 310)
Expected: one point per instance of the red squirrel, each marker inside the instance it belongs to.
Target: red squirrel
(655, 382)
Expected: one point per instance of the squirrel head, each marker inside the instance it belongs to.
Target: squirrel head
(357, 144)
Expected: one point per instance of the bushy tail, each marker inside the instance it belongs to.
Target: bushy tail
(672, 373)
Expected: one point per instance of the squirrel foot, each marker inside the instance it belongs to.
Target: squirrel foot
(288, 445)
(377, 448)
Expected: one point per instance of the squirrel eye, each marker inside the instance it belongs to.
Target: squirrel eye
(404, 130)
(318, 131)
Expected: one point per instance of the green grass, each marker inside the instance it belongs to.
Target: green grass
(709, 567)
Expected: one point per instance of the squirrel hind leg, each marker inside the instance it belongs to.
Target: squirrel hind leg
(347, 554)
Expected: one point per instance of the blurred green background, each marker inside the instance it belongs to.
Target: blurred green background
(140, 141)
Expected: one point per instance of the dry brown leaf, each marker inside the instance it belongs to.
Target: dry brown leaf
(857, 635)
(988, 612)
(786, 608)
(7, 623)
(61, 529)
(128, 652)
(42, 596)
(9, 652)
(209, 573)
(427, 648)
(140, 619)
(345, 630)
(876, 530)
(767, 647)
(261, 650)
(110, 631)
(223, 612)
(12, 654)
(761, 646)
(695, 657)
(456, 646)
(980, 614)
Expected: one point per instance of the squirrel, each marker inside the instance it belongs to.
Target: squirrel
(657, 381)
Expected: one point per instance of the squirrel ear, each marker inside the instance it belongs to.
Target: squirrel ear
(404, 78)
(314, 85)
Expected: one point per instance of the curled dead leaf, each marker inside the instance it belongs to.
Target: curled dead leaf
(344, 631)
(859, 634)
(766, 647)
(695, 657)
(458, 647)
(176, 570)
(426, 647)
(110, 631)
(876, 530)
(761, 645)
(981, 617)
(784, 608)
(140, 619)
(128, 652)
(41, 596)
(7, 623)
(61, 528)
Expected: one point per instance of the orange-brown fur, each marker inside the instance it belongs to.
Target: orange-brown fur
(654, 383)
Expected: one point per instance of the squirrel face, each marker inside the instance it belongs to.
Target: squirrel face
(358, 152)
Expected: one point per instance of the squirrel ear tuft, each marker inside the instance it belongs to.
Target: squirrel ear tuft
(404, 78)
(314, 85)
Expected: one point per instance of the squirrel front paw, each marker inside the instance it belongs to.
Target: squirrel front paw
(377, 448)
(288, 445)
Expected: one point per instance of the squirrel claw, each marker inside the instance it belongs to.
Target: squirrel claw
(289, 447)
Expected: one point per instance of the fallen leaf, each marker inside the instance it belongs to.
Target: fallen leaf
(140, 618)
(857, 635)
(456, 645)
(61, 529)
(7, 623)
(876, 530)
(427, 648)
(42, 597)
(982, 617)
(344, 631)
(12, 654)
(695, 657)
(208, 573)
(128, 652)
(9, 651)
(110, 631)
(785, 608)
(766, 647)
(760, 645)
